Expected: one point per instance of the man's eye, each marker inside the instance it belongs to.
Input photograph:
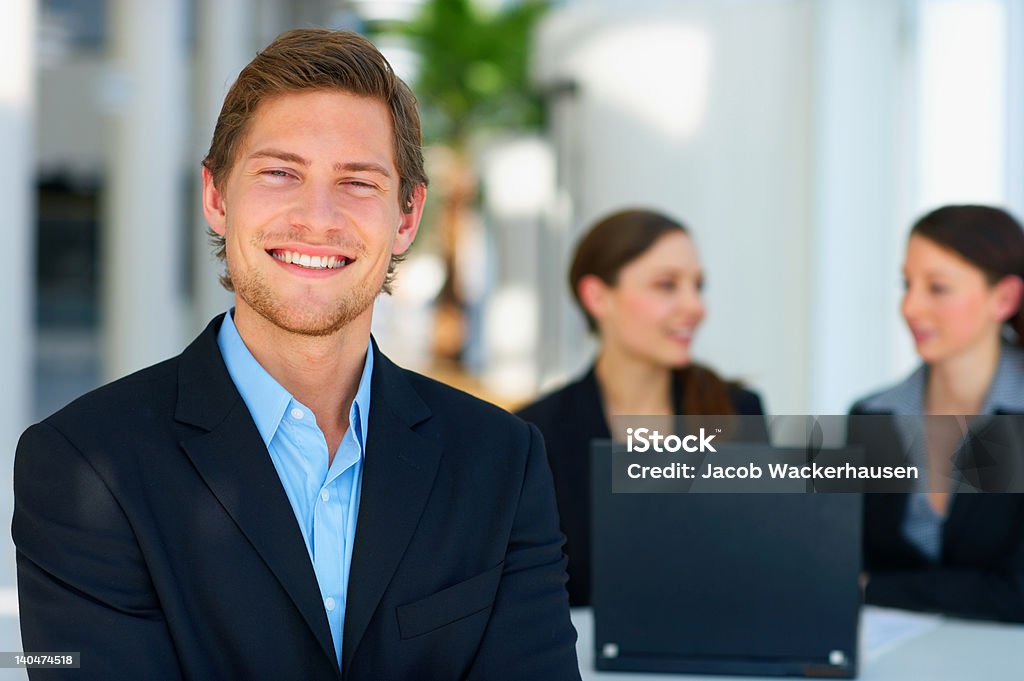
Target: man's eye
(277, 172)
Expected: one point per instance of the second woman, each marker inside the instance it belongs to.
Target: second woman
(637, 279)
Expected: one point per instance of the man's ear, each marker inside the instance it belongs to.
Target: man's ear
(410, 223)
(593, 295)
(213, 204)
(1009, 292)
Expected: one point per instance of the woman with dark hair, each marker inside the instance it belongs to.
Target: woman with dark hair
(935, 549)
(637, 278)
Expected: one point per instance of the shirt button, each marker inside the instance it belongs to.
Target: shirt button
(325, 495)
(329, 604)
(297, 414)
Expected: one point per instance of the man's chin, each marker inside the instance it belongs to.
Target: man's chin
(307, 312)
(312, 323)
(306, 318)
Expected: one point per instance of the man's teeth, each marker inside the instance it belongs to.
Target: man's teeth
(313, 262)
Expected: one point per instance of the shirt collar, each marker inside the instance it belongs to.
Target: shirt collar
(1006, 394)
(359, 413)
(905, 398)
(267, 399)
(1007, 391)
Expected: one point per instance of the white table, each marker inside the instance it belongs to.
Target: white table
(945, 650)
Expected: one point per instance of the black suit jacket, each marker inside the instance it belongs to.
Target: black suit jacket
(980, 571)
(153, 535)
(569, 419)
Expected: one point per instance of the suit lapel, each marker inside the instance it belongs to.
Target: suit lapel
(398, 475)
(233, 461)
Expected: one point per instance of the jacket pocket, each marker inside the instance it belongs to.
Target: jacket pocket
(450, 604)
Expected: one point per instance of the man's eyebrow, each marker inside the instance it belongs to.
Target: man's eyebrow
(362, 166)
(351, 166)
(286, 156)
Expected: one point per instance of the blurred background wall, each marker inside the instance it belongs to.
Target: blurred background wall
(798, 139)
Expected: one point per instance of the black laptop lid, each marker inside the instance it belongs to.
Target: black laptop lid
(724, 583)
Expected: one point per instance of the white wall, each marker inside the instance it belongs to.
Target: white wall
(799, 139)
(704, 110)
(1015, 107)
(142, 226)
(860, 199)
(17, 103)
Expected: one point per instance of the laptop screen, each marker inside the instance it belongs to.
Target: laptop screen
(724, 583)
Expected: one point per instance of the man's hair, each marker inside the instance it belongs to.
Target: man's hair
(317, 59)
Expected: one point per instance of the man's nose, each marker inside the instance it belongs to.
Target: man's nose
(318, 208)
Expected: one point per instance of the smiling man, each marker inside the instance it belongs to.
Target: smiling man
(281, 501)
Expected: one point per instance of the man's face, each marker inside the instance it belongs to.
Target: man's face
(310, 210)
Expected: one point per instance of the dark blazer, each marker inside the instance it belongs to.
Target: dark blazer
(569, 419)
(980, 571)
(154, 536)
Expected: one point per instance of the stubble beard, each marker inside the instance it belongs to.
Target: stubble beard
(316, 321)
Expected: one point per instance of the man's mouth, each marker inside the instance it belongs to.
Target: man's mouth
(310, 262)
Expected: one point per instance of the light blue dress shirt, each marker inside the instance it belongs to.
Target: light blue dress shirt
(325, 498)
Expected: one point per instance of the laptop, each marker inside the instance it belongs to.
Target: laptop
(741, 584)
